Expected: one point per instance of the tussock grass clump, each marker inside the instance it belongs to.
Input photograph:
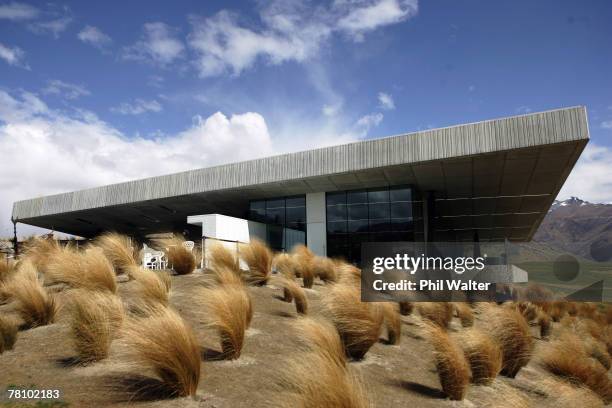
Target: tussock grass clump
(284, 264)
(258, 257)
(565, 394)
(88, 270)
(324, 268)
(164, 343)
(453, 368)
(293, 292)
(406, 308)
(96, 319)
(321, 336)
(358, 323)
(8, 333)
(39, 250)
(393, 322)
(302, 261)
(464, 313)
(227, 276)
(483, 354)
(313, 380)
(153, 286)
(183, 260)
(118, 249)
(510, 329)
(545, 325)
(348, 274)
(440, 313)
(7, 267)
(566, 358)
(229, 310)
(35, 306)
(220, 257)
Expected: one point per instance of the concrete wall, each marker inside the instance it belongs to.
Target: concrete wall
(316, 233)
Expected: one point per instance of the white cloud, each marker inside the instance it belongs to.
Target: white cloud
(52, 27)
(13, 56)
(94, 36)
(158, 44)
(138, 107)
(288, 31)
(18, 11)
(331, 109)
(386, 101)
(369, 16)
(606, 124)
(65, 89)
(590, 179)
(367, 122)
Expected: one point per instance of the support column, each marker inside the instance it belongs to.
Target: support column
(316, 231)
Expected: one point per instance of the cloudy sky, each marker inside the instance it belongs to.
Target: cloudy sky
(92, 93)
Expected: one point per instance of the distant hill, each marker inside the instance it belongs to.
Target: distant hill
(578, 227)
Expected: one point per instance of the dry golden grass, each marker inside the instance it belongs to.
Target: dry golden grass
(8, 333)
(219, 257)
(483, 354)
(164, 343)
(302, 264)
(453, 368)
(566, 357)
(87, 270)
(153, 286)
(284, 264)
(464, 313)
(258, 257)
(182, 260)
(544, 322)
(7, 267)
(503, 395)
(358, 323)
(510, 329)
(314, 380)
(293, 292)
(96, 319)
(393, 322)
(348, 274)
(118, 249)
(406, 308)
(35, 306)
(440, 313)
(321, 336)
(38, 250)
(228, 310)
(324, 268)
(564, 394)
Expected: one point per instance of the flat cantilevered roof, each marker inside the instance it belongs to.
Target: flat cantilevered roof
(497, 176)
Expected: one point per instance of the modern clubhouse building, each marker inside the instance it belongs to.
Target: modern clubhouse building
(488, 181)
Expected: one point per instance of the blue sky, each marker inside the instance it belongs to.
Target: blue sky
(92, 93)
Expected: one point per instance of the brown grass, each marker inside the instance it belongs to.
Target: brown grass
(219, 257)
(118, 249)
(406, 308)
(258, 257)
(35, 306)
(483, 354)
(464, 313)
(453, 368)
(561, 393)
(321, 336)
(294, 292)
(544, 322)
(96, 318)
(182, 260)
(38, 250)
(510, 329)
(153, 286)
(228, 309)
(324, 268)
(348, 274)
(566, 358)
(164, 343)
(393, 322)
(7, 267)
(284, 264)
(440, 313)
(302, 262)
(358, 323)
(8, 333)
(87, 270)
(313, 380)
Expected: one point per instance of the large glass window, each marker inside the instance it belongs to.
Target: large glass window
(358, 216)
(285, 220)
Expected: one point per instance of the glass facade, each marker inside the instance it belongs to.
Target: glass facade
(375, 215)
(285, 220)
